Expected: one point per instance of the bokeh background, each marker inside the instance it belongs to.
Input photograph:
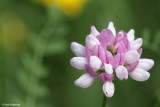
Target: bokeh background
(35, 37)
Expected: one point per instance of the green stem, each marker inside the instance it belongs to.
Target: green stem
(37, 60)
(104, 101)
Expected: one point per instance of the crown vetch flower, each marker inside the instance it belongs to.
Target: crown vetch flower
(106, 52)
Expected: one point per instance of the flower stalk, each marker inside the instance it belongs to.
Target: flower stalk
(104, 101)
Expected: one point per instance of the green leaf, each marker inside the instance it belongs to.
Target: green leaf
(56, 47)
(54, 13)
(61, 31)
(26, 60)
(40, 71)
(40, 91)
(41, 104)
(33, 40)
(23, 79)
(19, 100)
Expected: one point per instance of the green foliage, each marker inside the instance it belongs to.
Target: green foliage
(23, 79)
(146, 37)
(156, 40)
(26, 60)
(56, 47)
(30, 70)
(151, 42)
(40, 91)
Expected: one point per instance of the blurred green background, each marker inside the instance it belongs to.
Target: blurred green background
(35, 37)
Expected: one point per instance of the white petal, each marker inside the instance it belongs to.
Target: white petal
(130, 35)
(131, 56)
(139, 74)
(78, 62)
(95, 63)
(84, 81)
(136, 44)
(122, 72)
(91, 41)
(108, 68)
(108, 89)
(145, 64)
(94, 31)
(78, 49)
(112, 28)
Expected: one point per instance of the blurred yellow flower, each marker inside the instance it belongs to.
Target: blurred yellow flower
(14, 33)
(69, 7)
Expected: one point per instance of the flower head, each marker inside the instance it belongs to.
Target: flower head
(106, 53)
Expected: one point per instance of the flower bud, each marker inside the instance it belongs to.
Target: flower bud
(139, 74)
(111, 27)
(136, 44)
(145, 64)
(91, 41)
(122, 72)
(95, 63)
(94, 31)
(84, 81)
(78, 62)
(108, 89)
(108, 68)
(131, 56)
(130, 35)
(78, 49)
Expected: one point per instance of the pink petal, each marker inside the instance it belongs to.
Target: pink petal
(132, 67)
(140, 51)
(122, 40)
(126, 42)
(102, 77)
(122, 59)
(106, 38)
(109, 77)
(121, 48)
(102, 54)
(119, 37)
(115, 61)
(89, 71)
(88, 53)
(106, 77)
(109, 56)
(96, 50)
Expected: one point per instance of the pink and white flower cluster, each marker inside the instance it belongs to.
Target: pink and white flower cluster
(106, 53)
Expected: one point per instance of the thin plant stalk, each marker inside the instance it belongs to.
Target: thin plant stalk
(104, 101)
